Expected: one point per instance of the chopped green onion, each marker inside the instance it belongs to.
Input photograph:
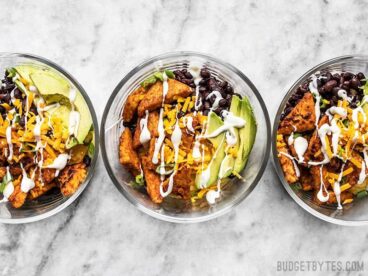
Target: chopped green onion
(296, 186)
(138, 182)
(148, 82)
(159, 76)
(296, 135)
(170, 74)
(170, 166)
(362, 194)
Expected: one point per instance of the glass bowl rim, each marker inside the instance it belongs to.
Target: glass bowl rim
(92, 166)
(275, 159)
(127, 195)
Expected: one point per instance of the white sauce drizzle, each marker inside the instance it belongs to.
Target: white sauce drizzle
(195, 71)
(230, 121)
(296, 168)
(218, 98)
(322, 188)
(362, 175)
(27, 183)
(188, 121)
(145, 135)
(59, 163)
(343, 95)
(291, 139)
(300, 145)
(212, 195)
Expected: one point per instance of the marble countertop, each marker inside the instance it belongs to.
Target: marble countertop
(272, 42)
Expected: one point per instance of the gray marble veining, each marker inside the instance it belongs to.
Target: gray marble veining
(272, 42)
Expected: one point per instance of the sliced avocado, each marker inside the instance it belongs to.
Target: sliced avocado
(54, 88)
(247, 135)
(228, 163)
(26, 70)
(209, 176)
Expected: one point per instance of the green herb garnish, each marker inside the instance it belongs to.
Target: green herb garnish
(138, 182)
(362, 194)
(170, 74)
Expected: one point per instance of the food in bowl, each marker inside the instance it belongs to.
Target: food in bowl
(187, 133)
(321, 138)
(46, 135)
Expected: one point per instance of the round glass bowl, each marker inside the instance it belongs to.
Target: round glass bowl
(48, 204)
(176, 210)
(354, 213)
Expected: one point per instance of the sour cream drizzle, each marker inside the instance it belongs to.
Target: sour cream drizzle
(145, 135)
(160, 127)
(300, 145)
(27, 183)
(230, 121)
(320, 196)
(218, 98)
(59, 163)
(195, 71)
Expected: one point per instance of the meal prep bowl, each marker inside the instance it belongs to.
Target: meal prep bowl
(176, 210)
(50, 204)
(354, 213)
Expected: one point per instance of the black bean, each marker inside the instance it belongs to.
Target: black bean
(328, 76)
(205, 73)
(22, 121)
(360, 76)
(205, 113)
(237, 94)
(207, 105)
(336, 77)
(347, 75)
(188, 75)
(203, 82)
(224, 84)
(229, 90)
(223, 103)
(228, 97)
(335, 90)
(202, 89)
(87, 160)
(17, 94)
(330, 85)
(212, 99)
(181, 114)
(355, 83)
(347, 83)
(192, 84)
(205, 95)
(5, 97)
(33, 109)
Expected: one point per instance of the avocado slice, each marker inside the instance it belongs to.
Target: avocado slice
(247, 135)
(228, 163)
(209, 176)
(54, 88)
(26, 70)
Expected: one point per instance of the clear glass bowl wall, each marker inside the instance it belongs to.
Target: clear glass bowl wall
(46, 205)
(173, 209)
(352, 214)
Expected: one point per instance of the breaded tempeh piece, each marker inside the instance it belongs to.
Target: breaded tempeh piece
(314, 145)
(132, 103)
(301, 118)
(137, 135)
(153, 98)
(153, 119)
(71, 177)
(286, 163)
(183, 180)
(40, 189)
(315, 172)
(152, 125)
(18, 197)
(128, 157)
(152, 180)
